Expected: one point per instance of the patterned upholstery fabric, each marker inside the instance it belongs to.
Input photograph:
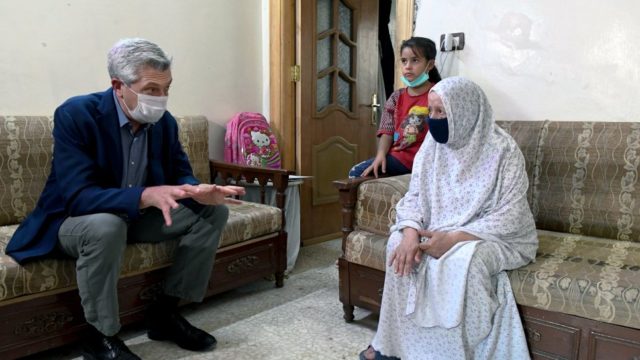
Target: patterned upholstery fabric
(573, 274)
(367, 248)
(25, 156)
(584, 196)
(375, 213)
(194, 137)
(586, 276)
(375, 209)
(249, 221)
(588, 179)
(246, 221)
(25, 162)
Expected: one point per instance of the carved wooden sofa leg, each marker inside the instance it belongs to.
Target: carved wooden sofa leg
(348, 312)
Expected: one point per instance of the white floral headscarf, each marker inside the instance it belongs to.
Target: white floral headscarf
(476, 182)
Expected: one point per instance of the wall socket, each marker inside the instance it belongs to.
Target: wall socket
(452, 41)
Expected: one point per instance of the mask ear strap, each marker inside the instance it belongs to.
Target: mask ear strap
(433, 65)
(122, 84)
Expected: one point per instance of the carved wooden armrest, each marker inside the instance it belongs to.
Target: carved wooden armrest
(229, 173)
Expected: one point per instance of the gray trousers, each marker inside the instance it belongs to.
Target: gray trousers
(98, 242)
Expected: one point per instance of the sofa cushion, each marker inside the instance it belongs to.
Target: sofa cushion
(246, 221)
(585, 276)
(588, 179)
(375, 210)
(194, 137)
(367, 248)
(574, 274)
(25, 161)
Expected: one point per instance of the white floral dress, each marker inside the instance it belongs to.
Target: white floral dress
(461, 305)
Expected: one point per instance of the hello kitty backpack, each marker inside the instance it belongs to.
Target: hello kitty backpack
(250, 141)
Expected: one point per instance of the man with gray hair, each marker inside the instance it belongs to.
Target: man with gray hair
(119, 175)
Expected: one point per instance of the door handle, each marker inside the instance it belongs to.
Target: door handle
(374, 108)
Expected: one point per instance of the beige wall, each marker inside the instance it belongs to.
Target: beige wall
(53, 49)
(545, 59)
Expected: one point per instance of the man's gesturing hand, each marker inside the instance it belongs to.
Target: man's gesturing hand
(208, 194)
(164, 198)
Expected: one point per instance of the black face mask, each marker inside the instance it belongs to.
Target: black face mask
(439, 129)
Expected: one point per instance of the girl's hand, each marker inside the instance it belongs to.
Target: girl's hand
(379, 162)
(407, 254)
(440, 242)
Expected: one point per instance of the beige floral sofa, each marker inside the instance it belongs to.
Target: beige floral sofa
(39, 303)
(580, 299)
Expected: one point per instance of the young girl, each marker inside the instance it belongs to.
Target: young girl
(403, 124)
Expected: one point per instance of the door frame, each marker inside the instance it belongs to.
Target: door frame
(282, 88)
(282, 57)
(405, 12)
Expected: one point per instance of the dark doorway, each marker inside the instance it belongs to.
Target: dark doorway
(387, 58)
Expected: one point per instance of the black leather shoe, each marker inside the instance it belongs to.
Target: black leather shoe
(173, 327)
(100, 347)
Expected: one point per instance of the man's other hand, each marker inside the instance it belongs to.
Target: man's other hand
(165, 198)
(211, 194)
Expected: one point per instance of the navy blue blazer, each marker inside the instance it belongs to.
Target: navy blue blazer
(86, 171)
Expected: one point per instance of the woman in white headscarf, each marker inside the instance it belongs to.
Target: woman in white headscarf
(464, 221)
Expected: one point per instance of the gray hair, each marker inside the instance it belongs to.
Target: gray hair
(128, 56)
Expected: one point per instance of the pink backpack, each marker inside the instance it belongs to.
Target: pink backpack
(250, 141)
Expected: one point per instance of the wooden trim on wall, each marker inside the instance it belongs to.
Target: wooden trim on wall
(404, 30)
(282, 34)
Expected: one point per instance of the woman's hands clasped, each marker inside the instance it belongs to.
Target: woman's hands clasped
(166, 197)
(409, 253)
(437, 243)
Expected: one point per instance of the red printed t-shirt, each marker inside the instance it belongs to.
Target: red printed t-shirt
(405, 119)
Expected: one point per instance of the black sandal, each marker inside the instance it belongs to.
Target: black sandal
(362, 353)
(376, 355)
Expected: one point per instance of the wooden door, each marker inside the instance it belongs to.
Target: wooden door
(336, 48)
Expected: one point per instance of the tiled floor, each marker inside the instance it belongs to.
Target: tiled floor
(302, 320)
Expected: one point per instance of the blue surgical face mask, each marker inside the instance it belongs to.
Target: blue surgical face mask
(439, 129)
(423, 78)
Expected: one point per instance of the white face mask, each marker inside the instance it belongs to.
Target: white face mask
(149, 109)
